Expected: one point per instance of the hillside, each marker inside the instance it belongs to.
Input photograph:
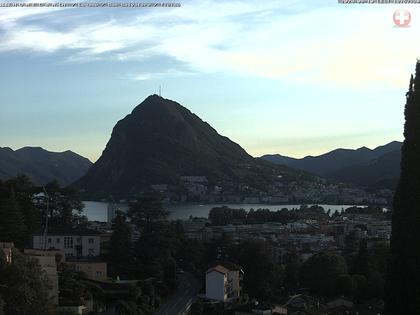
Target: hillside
(42, 166)
(364, 167)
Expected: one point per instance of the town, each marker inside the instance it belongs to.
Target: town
(231, 262)
(281, 191)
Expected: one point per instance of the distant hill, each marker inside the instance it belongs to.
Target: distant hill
(160, 141)
(382, 172)
(42, 166)
(378, 167)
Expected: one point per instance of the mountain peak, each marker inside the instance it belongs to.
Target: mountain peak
(161, 141)
(364, 148)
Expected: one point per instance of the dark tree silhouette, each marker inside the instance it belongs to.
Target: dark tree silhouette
(403, 283)
(121, 253)
(12, 226)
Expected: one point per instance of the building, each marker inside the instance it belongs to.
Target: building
(94, 269)
(223, 282)
(6, 247)
(79, 242)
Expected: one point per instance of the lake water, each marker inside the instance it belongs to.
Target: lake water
(97, 211)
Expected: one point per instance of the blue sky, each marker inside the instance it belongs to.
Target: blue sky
(291, 77)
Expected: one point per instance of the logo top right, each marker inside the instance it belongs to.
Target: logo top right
(402, 18)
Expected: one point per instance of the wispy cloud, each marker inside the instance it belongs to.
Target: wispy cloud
(336, 45)
(157, 75)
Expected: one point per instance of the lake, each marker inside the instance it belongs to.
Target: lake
(97, 211)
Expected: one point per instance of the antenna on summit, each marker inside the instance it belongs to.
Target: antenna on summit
(160, 90)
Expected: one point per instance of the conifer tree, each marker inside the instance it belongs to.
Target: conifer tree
(12, 226)
(120, 246)
(403, 283)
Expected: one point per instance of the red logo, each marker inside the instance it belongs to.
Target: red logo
(402, 18)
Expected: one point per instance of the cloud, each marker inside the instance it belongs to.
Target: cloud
(345, 46)
(157, 75)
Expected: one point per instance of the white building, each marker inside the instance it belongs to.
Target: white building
(80, 242)
(224, 282)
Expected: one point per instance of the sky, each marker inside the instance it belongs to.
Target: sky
(290, 77)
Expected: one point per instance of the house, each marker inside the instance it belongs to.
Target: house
(6, 247)
(73, 242)
(94, 269)
(223, 282)
(47, 262)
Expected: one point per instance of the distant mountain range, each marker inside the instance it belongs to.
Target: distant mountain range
(42, 166)
(377, 168)
(160, 141)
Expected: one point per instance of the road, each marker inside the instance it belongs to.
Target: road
(187, 290)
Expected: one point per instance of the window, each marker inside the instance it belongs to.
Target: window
(68, 242)
(98, 273)
(91, 240)
(58, 240)
(49, 240)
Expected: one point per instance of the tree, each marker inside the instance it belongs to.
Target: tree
(146, 213)
(120, 246)
(346, 285)
(2, 305)
(12, 226)
(26, 287)
(361, 263)
(263, 278)
(65, 205)
(403, 283)
(24, 190)
(291, 279)
(321, 271)
(73, 289)
(157, 242)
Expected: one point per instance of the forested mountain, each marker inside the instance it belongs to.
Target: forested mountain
(42, 166)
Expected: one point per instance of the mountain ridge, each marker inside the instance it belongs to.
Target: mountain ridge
(41, 165)
(346, 164)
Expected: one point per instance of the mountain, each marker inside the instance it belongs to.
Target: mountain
(382, 172)
(378, 167)
(42, 166)
(160, 141)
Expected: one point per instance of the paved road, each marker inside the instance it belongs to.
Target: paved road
(187, 290)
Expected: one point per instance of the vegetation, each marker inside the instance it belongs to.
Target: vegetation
(23, 287)
(121, 249)
(23, 214)
(403, 287)
(225, 215)
(322, 271)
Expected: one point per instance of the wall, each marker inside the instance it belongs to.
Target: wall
(215, 286)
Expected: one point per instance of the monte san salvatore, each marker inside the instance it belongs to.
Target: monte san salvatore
(162, 143)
